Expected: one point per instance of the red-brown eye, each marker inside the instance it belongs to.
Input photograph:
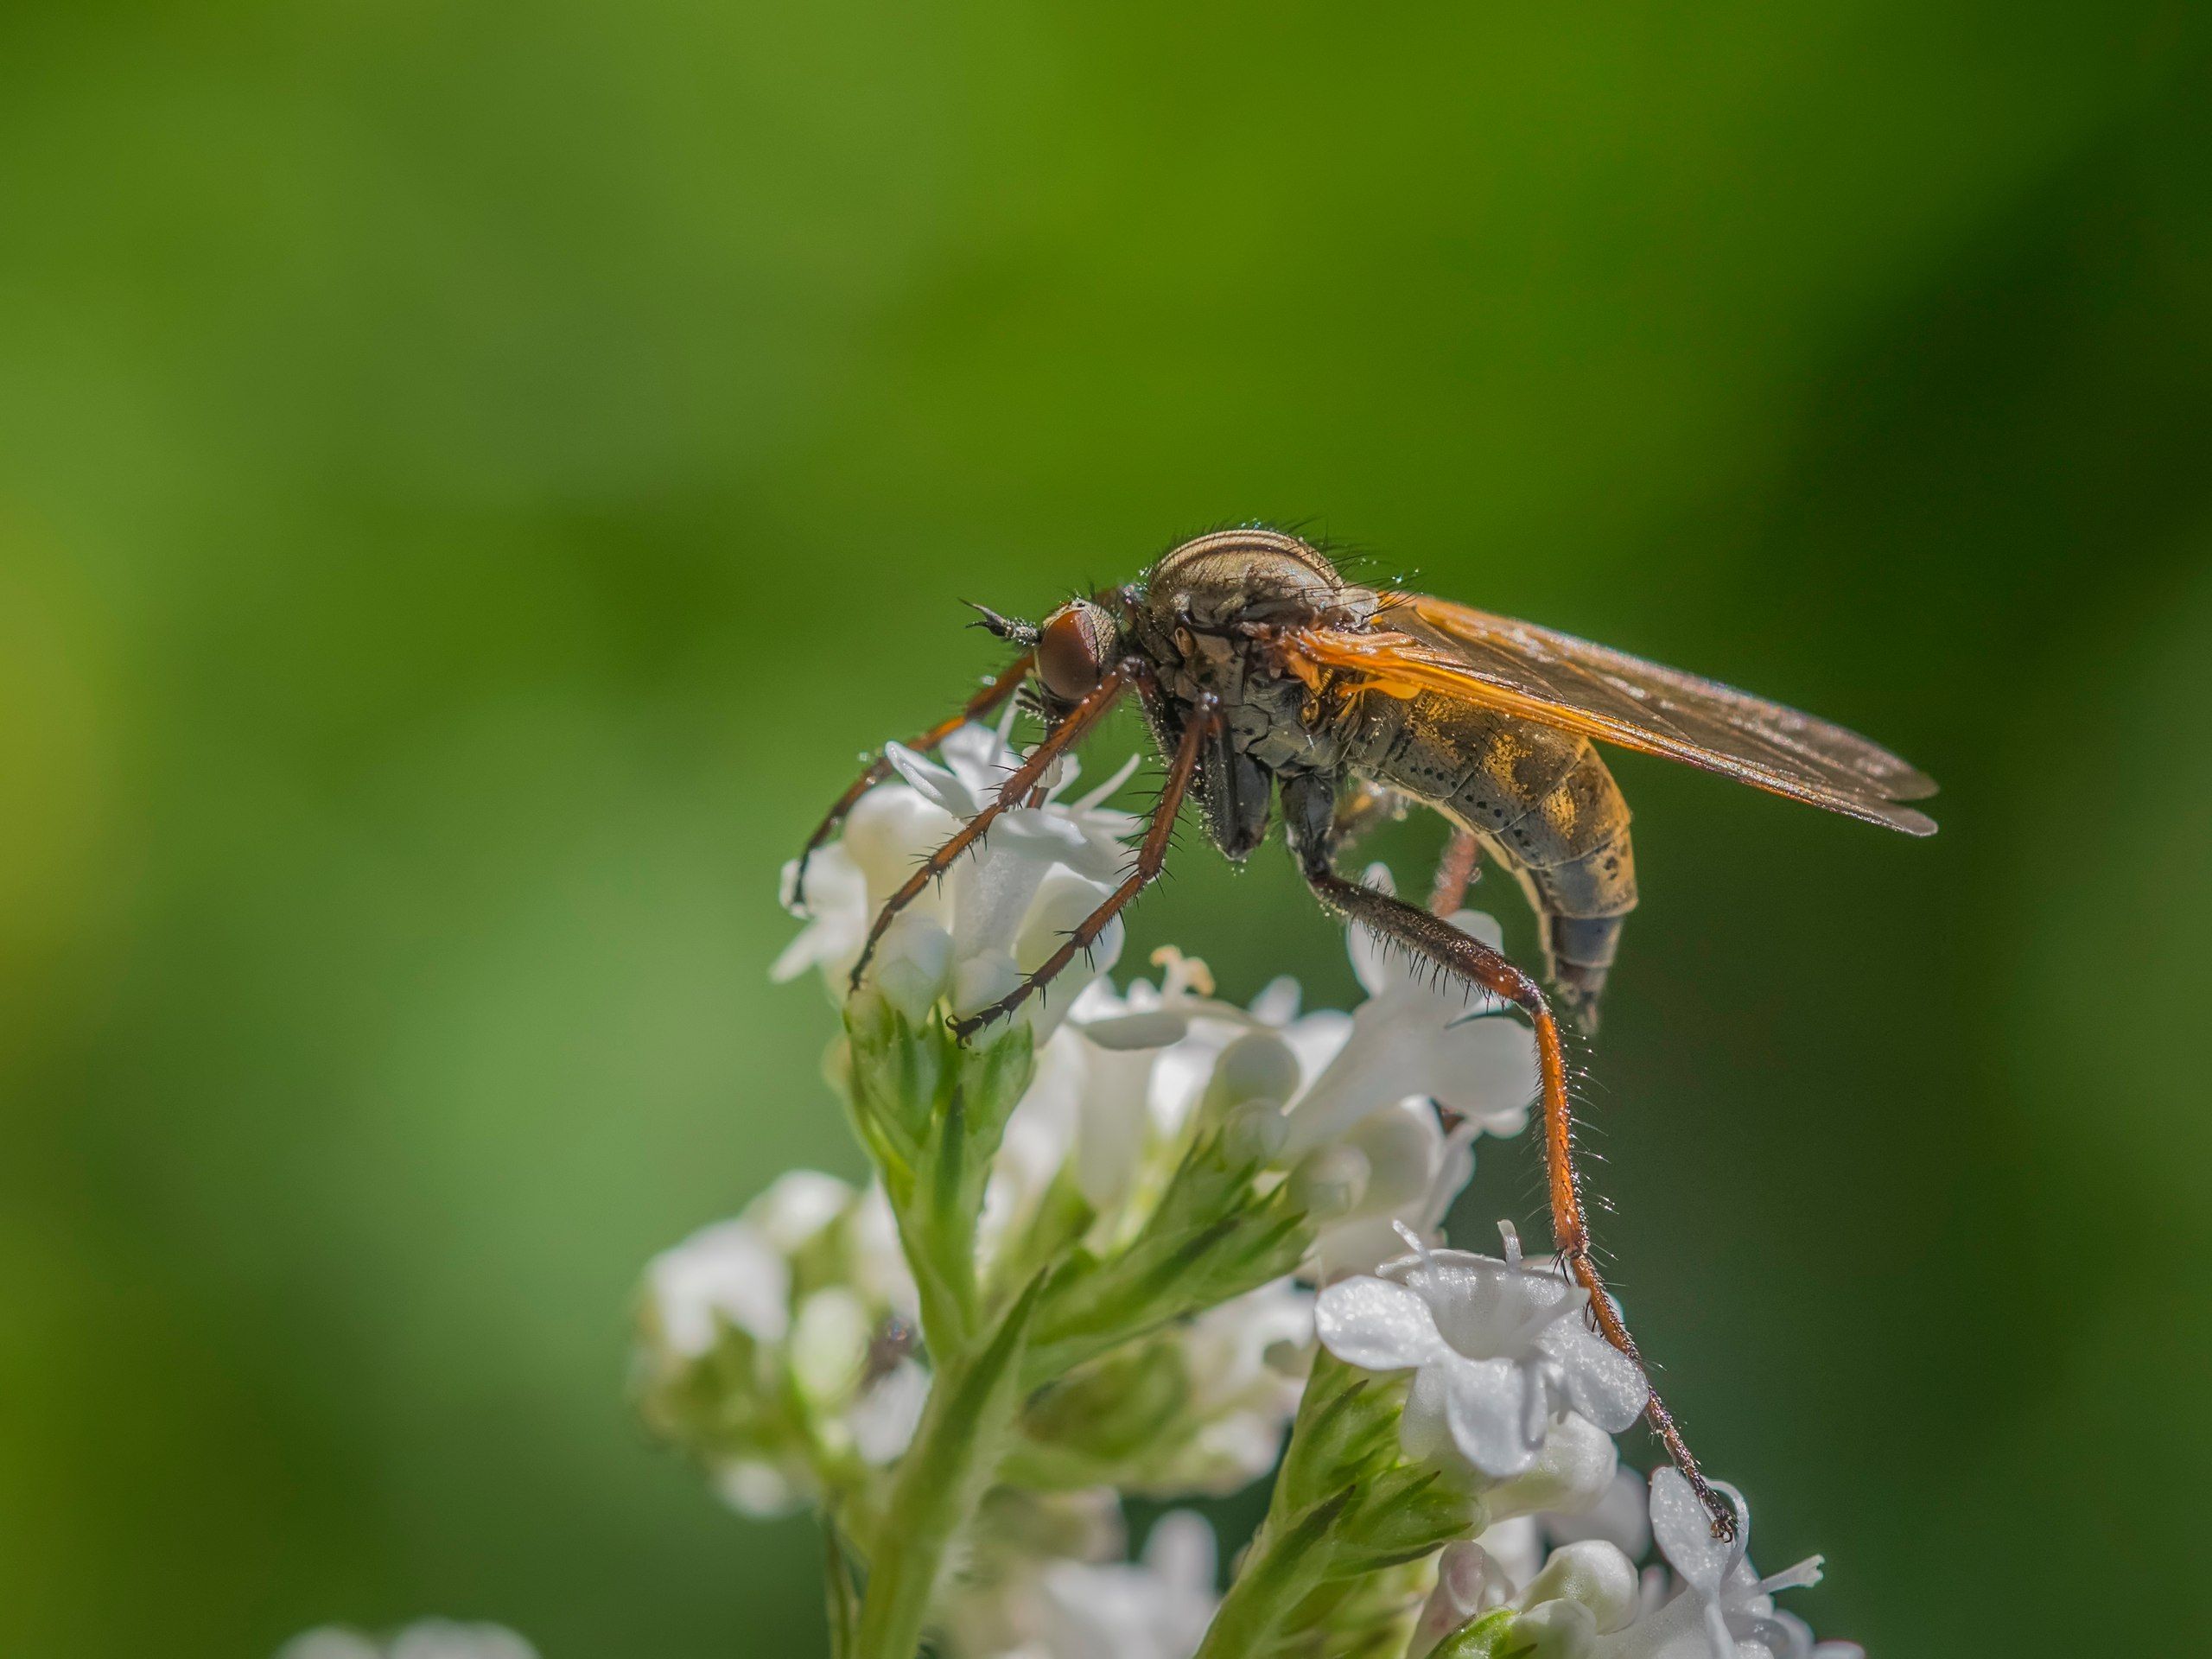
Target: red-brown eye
(1071, 651)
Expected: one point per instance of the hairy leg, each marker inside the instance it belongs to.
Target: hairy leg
(1365, 807)
(1063, 736)
(981, 703)
(1474, 963)
(1455, 873)
(1152, 858)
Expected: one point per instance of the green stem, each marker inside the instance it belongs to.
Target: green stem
(939, 1484)
(837, 1586)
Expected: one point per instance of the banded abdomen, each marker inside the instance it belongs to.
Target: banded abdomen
(1541, 801)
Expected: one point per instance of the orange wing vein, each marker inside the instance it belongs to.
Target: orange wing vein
(1421, 644)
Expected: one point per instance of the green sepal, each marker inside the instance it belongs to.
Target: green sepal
(1101, 1425)
(1490, 1637)
(1347, 1428)
(930, 1111)
(1213, 1235)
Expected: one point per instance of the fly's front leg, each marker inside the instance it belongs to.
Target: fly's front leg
(1474, 963)
(984, 702)
(1152, 858)
(1063, 736)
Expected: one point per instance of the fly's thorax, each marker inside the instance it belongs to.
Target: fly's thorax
(1235, 576)
(1264, 708)
(1204, 620)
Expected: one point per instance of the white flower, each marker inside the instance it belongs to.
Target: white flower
(1616, 1512)
(726, 1272)
(1585, 1592)
(1415, 1169)
(1497, 1351)
(888, 831)
(1247, 1360)
(1085, 834)
(1037, 1145)
(1420, 1034)
(811, 1272)
(1468, 1585)
(429, 1638)
(1155, 1608)
(877, 1259)
(1113, 1090)
(1724, 1609)
(797, 1206)
(1002, 910)
(1621, 1516)
(739, 1271)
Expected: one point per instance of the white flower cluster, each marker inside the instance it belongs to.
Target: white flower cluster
(997, 915)
(1106, 1244)
(429, 1638)
(775, 1344)
(1084, 1599)
(1152, 1242)
(1584, 1597)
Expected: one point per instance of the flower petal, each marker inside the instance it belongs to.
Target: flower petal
(940, 787)
(1424, 1434)
(1375, 1326)
(1150, 1028)
(1483, 1402)
(1603, 1383)
(1684, 1532)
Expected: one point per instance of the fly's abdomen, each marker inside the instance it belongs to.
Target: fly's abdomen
(1540, 800)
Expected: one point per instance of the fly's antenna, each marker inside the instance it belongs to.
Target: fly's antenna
(1020, 633)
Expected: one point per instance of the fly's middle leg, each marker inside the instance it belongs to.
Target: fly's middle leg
(1455, 873)
(1365, 807)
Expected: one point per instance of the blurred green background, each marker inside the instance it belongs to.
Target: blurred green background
(471, 477)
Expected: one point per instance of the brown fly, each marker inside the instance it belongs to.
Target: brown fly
(1271, 684)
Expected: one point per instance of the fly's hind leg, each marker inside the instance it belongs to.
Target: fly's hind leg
(1474, 963)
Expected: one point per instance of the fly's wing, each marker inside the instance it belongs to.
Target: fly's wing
(1421, 644)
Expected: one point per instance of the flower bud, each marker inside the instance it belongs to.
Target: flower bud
(1253, 1133)
(1595, 1575)
(1330, 1182)
(1259, 1065)
(756, 1488)
(1404, 1150)
(1571, 1471)
(1553, 1629)
(829, 1343)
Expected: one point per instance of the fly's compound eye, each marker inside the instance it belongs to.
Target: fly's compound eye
(1072, 648)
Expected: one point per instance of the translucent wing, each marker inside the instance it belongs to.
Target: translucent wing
(1421, 644)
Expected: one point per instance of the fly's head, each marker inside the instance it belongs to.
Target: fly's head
(1072, 651)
